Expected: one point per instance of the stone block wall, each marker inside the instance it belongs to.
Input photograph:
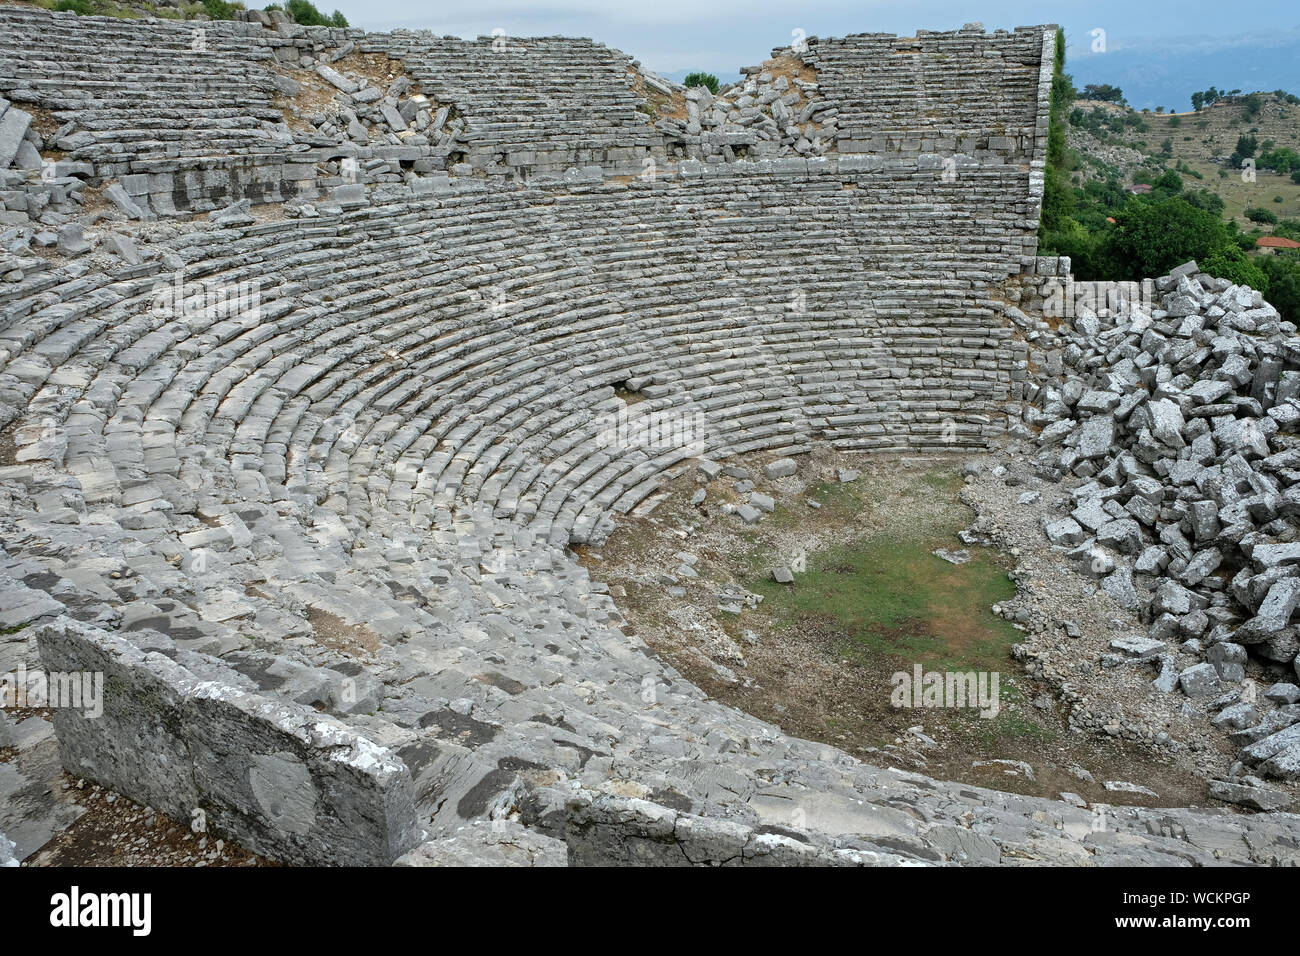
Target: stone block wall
(199, 107)
(278, 778)
(965, 91)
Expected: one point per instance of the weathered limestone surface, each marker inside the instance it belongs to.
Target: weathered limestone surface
(303, 486)
(281, 779)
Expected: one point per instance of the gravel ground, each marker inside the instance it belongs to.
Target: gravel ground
(1056, 599)
(1098, 723)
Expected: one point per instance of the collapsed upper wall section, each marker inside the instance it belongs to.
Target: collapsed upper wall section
(191, 116)
(541, 103)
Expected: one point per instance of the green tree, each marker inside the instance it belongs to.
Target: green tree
(1151, 237)
(1198, 100)
(1229, 262)
(1103, 92)
(1211, 202)
(707, 80)
(1169, 184)
(1260, 215)
(1058, 201)
(1283, 274)
(1283, 160)
(305, 14)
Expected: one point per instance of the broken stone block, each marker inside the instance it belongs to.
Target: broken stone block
(119, 198)
(1228, 659)
(1138, 648)
(1274, 612)
(72, 241)
(1065, 531)
(1256, 798)
(1200, 680)
(124, 248)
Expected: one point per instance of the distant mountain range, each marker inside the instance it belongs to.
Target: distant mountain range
(1165, 71)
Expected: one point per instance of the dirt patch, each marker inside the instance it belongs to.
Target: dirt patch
(379, 68)
(316, 96)
(43, 121)
(818, 657)
(792, 68)
(334, 632)
(658, 105)
(115, 831)
(8, 447)
(92, 198)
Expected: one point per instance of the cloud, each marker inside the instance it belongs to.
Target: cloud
(1191, 45)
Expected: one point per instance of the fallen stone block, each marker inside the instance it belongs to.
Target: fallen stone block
(1254, 797)
(1200, 680)
(119, 198)
(781, 468)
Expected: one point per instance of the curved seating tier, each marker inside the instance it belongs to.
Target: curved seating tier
(472, 345)
(526, 96)
(135, 93)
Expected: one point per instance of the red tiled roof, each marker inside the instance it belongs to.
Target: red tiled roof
(1276, 242)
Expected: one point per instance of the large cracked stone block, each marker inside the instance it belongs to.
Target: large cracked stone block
(278, 778)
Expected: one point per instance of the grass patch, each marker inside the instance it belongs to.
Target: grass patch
(894, 600)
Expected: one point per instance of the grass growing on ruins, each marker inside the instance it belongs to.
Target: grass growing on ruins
(889, 597)
(816, 657)
(892, 598)
(885, 602)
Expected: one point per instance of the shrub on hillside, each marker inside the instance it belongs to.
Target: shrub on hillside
(305, 14)
(1282, 160)
(1103, 92)
(707, 80)
(1261, 215)
(221, 9)
(1283, 274)
(1205, 199)
(1151, 237)
(1234, 265)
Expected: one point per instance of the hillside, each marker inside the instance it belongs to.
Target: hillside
(1137, 146)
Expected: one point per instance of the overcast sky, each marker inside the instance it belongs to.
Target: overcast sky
(720, 36)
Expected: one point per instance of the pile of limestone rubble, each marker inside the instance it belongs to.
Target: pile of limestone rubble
(1175, 423)
(38, 199)
(363, 111)
(765, 116)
